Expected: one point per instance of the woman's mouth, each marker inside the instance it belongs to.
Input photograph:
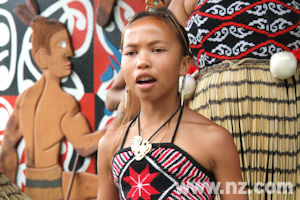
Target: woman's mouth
(145, 80)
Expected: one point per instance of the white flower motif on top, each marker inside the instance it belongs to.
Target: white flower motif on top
(141, 183)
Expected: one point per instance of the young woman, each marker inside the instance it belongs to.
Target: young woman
(167, 151)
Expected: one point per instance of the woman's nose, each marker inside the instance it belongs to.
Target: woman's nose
(143, 61)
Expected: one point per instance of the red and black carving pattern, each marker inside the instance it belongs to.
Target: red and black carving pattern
(167, 172)
(229, 29)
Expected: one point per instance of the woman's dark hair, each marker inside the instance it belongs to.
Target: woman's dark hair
(166, 16)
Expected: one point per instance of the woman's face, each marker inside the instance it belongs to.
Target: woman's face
(151, 59)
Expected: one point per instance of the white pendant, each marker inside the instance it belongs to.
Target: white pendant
(140, 147)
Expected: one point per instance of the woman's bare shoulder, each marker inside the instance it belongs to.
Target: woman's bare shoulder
(201, 138)
(112, 137)
(201, 127)
(108, 139)
(192, 117)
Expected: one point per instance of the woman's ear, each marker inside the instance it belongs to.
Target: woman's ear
(41, 58)
(185, 66)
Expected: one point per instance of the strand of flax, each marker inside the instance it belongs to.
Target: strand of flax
(8, 191)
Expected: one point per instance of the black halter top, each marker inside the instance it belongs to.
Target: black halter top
(166, 172)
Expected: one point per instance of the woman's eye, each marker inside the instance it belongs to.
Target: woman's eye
(130, 53)
(158, 50)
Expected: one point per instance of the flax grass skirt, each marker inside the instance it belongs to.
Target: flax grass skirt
(263, 115)
(9, 191)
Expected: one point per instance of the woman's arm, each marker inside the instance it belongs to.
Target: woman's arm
(115, 93)
(226, 166)
(182, 9)
(106, 187)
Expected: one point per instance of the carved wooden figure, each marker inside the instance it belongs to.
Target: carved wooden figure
(44, 114)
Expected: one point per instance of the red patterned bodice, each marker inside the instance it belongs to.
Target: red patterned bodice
(166, 172)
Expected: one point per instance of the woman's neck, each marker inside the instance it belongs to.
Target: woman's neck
(158, 112)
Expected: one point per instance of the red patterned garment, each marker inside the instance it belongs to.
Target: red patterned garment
(228, 29)
(166, 172)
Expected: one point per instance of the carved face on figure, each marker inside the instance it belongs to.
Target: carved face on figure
(51, 46)
(60, 50)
